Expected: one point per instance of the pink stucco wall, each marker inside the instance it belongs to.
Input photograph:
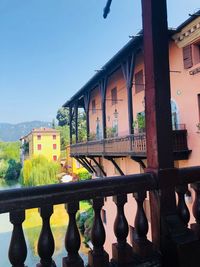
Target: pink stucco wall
(184, 91)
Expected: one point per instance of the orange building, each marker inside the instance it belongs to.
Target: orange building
(114, 102)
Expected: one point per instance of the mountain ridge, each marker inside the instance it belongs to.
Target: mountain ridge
(10, 132)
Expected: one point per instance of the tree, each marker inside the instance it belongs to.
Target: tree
(39, 171)
(13, 171)
(64, 136)
(63, 116)
(82, 128)
(53, 124)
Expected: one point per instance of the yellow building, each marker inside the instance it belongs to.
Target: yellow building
(72, 165)
(41, 141)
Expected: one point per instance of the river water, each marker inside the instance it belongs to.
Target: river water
(32, 227)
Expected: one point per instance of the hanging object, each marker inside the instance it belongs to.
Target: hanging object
(107, 9)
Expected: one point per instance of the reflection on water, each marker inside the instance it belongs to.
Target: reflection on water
(32, 228)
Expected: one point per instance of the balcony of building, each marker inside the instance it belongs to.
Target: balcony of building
(133, 145)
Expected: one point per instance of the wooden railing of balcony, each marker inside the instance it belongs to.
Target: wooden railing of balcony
(16, 201)
(126, 145)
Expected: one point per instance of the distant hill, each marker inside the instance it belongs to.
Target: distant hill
(13, 132)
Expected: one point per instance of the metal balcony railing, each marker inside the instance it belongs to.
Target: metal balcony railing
(134, 145)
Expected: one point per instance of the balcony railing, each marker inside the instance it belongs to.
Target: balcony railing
(133, 145)
(16, 201)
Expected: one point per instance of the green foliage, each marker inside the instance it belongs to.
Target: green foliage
(111, 132)
(53, 124)
(84, 175)
(13, 171)
(25, 147)
(64, 136)
(10, 150)
(3, 168)
(84, 222)
(9, 160)
(140, 122)
(82, 128)
(63, 116)
(39, 171)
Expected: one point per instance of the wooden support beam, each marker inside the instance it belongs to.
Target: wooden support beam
(89, 164)
(83, 164)
(115, 165)
(99, 166)
(139, 160)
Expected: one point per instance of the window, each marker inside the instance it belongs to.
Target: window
(39, 147)
(196, 53)
(187, 57)
(54, 137)
(54, 146)
(54, 158)
(114, 96)
(38, 137)
(93, 106)
(139, 83)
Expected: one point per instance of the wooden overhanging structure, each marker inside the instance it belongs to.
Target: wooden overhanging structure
(132, 145)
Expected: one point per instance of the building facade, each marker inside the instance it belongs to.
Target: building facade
(41, 141)
(114, 102)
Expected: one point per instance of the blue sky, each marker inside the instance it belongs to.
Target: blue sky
(50, 48)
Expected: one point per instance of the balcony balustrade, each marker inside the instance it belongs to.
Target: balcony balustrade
(141, 251)
(130, 145)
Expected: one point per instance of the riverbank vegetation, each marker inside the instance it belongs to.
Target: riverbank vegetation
(10, 166)
(39, 171)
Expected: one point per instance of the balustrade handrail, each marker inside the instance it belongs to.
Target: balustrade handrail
(130, 136)
(189, 175)
(26, 198)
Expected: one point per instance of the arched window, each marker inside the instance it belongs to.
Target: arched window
(174, 113)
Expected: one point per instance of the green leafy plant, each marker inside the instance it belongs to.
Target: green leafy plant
(139, 123)
(39, 171)
(84, 175)
(111, 132)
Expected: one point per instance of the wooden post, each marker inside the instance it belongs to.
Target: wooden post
(87, 104)
(164, 218)
(70, 123)
(76, 121)
(128, 71)
(103, 85)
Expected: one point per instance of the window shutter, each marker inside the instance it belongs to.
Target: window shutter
(187, 57)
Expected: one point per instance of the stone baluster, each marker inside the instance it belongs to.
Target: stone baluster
(98, 257)
(141, 245)
(121, 251)
(72, 238)
(17, 250)
(182, 208)
(196, 209)
(46, 241)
